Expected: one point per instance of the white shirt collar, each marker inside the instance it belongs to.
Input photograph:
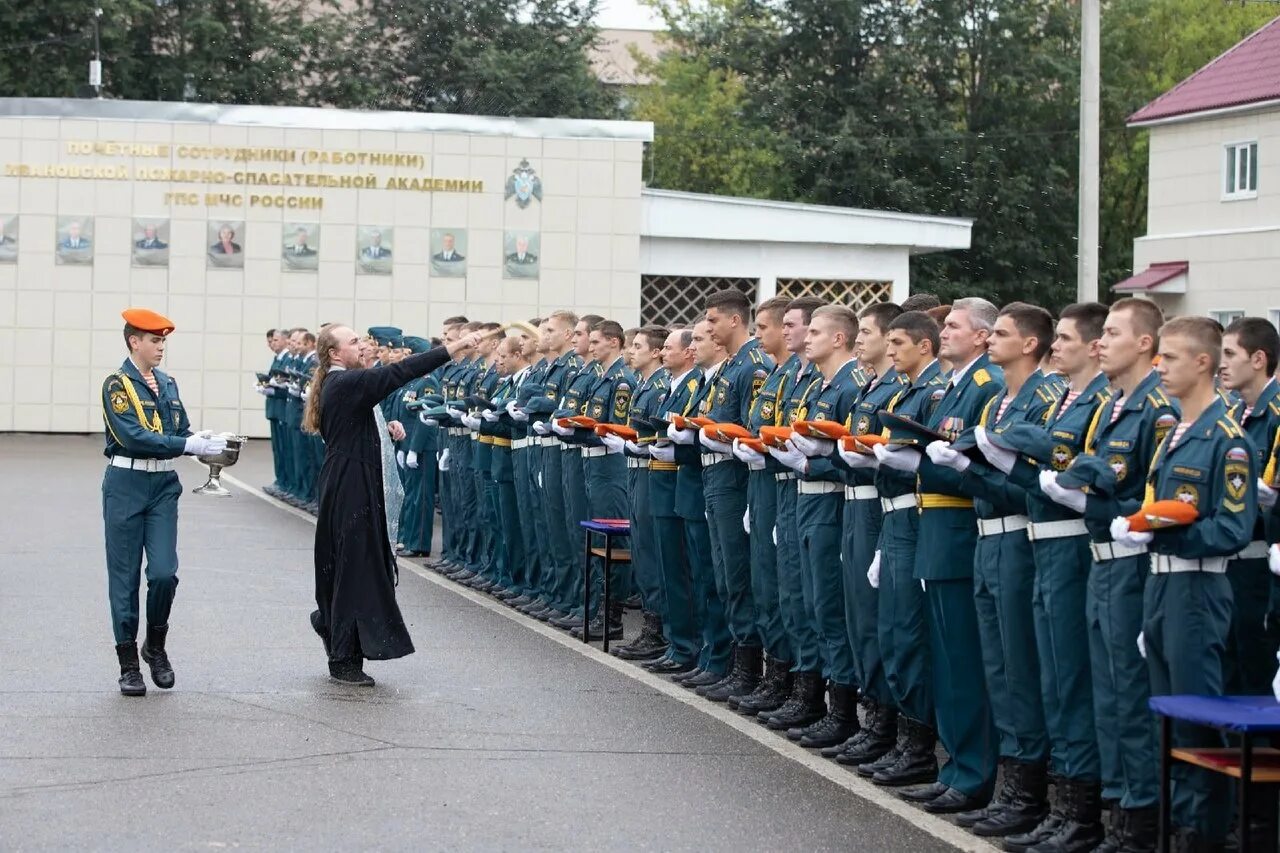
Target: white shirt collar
(680, 378)
(959, 372)
(710, 372)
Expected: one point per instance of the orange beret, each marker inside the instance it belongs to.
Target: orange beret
(619, 430)
(821, 429)
(1168, 513)
(775, 436)
(861, 443)
(147, 320)
(726, 432)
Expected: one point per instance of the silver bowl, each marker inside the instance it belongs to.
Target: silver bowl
(216, 462)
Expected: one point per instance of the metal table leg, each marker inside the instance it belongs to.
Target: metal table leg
(604, 602)
(586, 590)
(1246, 774)
(1166, 761)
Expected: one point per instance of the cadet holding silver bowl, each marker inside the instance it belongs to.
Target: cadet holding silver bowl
(146, 429)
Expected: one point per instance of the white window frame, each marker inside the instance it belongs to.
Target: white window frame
(1220, 315)
(1231, 157)
(1273, 314)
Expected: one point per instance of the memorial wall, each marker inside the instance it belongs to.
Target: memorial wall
(234, 220)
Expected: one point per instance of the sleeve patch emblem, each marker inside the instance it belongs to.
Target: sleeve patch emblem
(1237, 480)
(1061, 457)
(119, 402)
(1118, 464)
(864, 425)
(1187, 493)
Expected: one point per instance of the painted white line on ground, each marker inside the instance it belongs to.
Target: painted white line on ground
(938, 827)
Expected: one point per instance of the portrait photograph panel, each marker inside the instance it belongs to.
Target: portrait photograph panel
(150, 242)
(300, 246)
(74, 240)
(226, 244)
(520, 250)
(374, 247)
(8, 239)
(449, 252)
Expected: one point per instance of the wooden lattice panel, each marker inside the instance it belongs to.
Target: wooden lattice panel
(855, 294)
(677, 300)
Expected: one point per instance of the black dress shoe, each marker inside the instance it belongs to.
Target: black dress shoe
(924, 793)
(349, 672)
(667, 666)
(706, 679)
(685, 676)
(954, 800)
(548, 616)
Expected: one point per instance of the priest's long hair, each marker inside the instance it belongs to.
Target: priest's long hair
(326, 343)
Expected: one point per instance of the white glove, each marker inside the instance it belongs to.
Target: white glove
(204, 445)
(1121, 535)
(854, 459)
(682, 436)
(1072, 499)
(539, 479)
(541, 428)
(1273, 559)
(873, 573)
(490, 415)
(663, 452)
(400, 458)
(423, 419)
(260, 390)
(443, 464)
(411, 460)
(898, 457)
(713, 445)
(637, 449)
(1002, 459)
(746, 521)
(561, 430)
(517, 414)
(306, 395)
(295, 391)
(754, 461)
(1266, 495)
(791, 457)
(456, 414)
(942, 453)
(774, 534)
(1142, 645)
(812, 447)
(613, 443)
(471, 422)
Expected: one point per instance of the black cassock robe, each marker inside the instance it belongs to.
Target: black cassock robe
(355, 567)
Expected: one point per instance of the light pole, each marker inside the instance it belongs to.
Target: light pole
(1090, 97)
(95, 64)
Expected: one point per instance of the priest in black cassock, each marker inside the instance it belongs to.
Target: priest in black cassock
(357, 616)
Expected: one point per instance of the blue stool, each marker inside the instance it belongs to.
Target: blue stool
(608, 528)
(1245, 716)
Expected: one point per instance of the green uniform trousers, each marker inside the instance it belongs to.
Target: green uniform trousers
(678, 616)
(861, 531)
(606, 481)
(645, 570)
(902, 620)
(1186, 623)
(1250, 662)
(140, 514)
(560, 549)
(1062, 644)
(762, 498)
(278, 463)
(1003, 585)
(576, 511)
(806, 648)
(1121, 685)
(509, 538)
(819, 518)
(725, 488)
(708, 608)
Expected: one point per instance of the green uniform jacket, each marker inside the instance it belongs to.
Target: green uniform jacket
(141, 424)
(669, 482)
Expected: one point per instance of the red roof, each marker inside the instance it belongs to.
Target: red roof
(1153, 276)
(1248, 73)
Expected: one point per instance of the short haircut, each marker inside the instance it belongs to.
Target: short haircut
(564, 315)
(921, 302)
(610, 329)
(883, 313)
(308, 338)
(536, 321)
(590, 320)
(455, 321)
(472, 326)
(843, 318)
(131, 331)
(630, 334)
(806, 305)
(1203, 333)
(686, 338)
(655, 336)
(1146, 316)
(1031, 321)
(982, 314)
(1257, 335)
(919, 326)
(730, 301)
(271, 333)
(938, 313)
(490, 327)
(1089, 318)
(775, 308)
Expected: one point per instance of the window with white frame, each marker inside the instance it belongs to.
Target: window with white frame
(1226, 316)
(1241, 171)
(1274, 316)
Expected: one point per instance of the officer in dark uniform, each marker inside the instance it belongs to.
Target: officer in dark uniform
(276, 339)
(146, 429)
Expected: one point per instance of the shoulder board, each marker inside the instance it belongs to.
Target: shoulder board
(1157, 397)
(981, 377)
(985, 417)
(1274, 407)
(757, 356)
(1046, 395)
(900, 378)
(937, 380)
(1229, 427)
(691, 386)
(599, 369)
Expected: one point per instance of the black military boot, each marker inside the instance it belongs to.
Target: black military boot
(891, 757)
(789, 705)
(918, 762)
(597, 624)
(1081, 828)
(131, 683)
(706, 679)
(841, 721)
(772, 691)
(1026, 806)
(743, 679)
(1009, 770)
(877, 737)
(1141, 830)
(1113, 827)
(810, 705)
(153, 653)
(648, 645)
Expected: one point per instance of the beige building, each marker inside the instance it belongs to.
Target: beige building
(1213, 221)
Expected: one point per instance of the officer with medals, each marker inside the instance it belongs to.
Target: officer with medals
(146, 429)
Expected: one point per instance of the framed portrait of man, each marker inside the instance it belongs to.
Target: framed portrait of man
(374, 245)
(151, 242)
(520, 252)
(8, 239)
(300, 247)
(449, 252)
(74, 240)
(226, 245)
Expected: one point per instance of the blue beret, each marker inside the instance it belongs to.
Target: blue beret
(416, 344)
(385, 335)
(540, 405)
